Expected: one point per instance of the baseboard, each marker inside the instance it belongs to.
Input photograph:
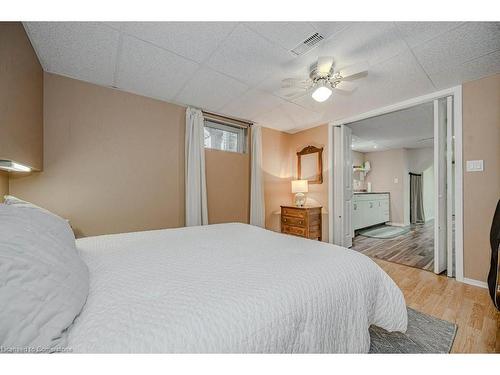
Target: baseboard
(480, 284)
(396, 224)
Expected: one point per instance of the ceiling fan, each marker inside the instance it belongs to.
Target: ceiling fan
(323, 79)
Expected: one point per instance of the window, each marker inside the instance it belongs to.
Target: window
(225, 137)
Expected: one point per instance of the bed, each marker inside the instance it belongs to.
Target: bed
(230, 288)
(226, 288)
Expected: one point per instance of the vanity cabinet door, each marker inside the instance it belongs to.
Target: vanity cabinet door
(370, 210)
(385, 209)
(379, 216)
(365, 212)
(356, 215)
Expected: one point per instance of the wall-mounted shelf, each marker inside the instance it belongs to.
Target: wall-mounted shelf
(359, 169)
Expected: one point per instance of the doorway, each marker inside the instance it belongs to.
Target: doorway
(394, 192)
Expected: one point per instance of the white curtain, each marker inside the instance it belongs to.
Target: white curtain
(196, 187)
(257, 208)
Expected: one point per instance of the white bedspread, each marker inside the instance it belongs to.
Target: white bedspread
(230, 288)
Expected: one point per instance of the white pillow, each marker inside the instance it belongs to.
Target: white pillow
(43, 281)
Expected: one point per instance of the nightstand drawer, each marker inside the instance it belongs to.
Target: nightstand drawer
(288, 229)
(293, 221)
(301, 221)
(293, 212)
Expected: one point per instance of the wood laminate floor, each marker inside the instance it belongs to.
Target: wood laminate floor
(468, 306)
(414, 249)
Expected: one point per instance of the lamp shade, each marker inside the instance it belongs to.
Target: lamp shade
(299, 186)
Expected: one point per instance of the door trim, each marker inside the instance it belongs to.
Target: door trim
(440, 186)
(456, 92)
(449, 191)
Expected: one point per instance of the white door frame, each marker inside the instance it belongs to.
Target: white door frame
(456, 93)
(440, 184)
(449, 191)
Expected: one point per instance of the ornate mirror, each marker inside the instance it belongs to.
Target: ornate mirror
(310, 164)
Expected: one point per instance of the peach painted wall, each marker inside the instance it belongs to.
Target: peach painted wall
(280, 167)
(114, 161)
(21, 98)
(481, 141)
(277, 173)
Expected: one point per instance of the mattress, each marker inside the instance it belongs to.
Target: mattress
(230, 288)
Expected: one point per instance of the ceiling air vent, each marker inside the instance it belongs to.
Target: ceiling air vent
(307, 44)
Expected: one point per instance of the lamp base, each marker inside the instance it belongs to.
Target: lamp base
(300, 199)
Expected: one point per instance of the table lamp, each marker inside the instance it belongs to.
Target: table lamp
(299, 187)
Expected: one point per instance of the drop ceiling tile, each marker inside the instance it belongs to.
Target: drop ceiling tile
(251, 104)
(275, 119)
(82, 50)
(151, 71)
(327, 29)
(373, 42)
(306, 101)
(114, 25)
(248, 57)
(289, 117)
(392, 81)
(301, 116)
(285, 34)
(467, 42)
(416, 33)
(481, 67)
(88, 51)
(210, 90)
(193, 40)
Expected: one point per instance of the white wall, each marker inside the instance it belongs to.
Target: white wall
(421, 160)
(396, 164)
(389, 173)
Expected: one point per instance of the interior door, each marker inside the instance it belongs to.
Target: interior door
(440, 172)
(342, 207)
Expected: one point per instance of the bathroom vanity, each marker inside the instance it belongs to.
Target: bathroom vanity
(370, 209)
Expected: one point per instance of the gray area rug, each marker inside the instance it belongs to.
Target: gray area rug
(425, 334)
(384, 232)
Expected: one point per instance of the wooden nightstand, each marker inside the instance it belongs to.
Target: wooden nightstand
(301, 221)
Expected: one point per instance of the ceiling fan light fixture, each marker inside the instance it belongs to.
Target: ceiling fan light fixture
(322, 92)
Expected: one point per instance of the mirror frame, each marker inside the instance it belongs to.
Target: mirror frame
(319, 171)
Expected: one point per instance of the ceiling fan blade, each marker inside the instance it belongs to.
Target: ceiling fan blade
(290, 92)
(325, 64)
(296, 83)
(354, 70)
(346, 86)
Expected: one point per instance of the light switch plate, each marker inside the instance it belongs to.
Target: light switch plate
(396, 180)
(475, 166)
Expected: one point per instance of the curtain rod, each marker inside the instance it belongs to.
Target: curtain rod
(229, 120)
